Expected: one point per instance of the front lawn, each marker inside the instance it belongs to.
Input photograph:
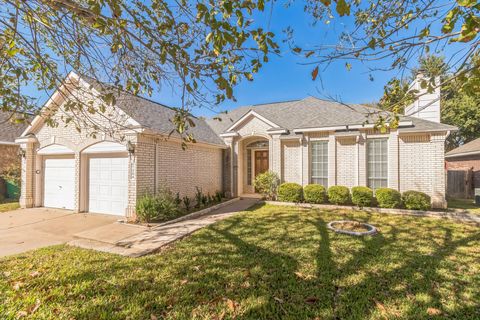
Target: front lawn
(268, 263)
(9, 205)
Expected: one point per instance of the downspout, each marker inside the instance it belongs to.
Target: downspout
(358, 161)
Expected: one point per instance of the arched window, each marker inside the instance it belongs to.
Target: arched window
(258, 144)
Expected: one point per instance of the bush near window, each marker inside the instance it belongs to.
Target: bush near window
(388, 198)
(290, 192)
(267, 184)
(339, 195)
(314, 193)
(362, 196)
(416, 200)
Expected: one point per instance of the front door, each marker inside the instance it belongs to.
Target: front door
(261, 161)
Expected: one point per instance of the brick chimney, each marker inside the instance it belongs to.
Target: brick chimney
(427, 105)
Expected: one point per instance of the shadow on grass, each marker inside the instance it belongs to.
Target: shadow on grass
(269, 263)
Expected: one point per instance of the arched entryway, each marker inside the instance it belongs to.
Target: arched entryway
(255, 159)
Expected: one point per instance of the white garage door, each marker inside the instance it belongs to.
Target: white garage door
(108, 185)
(59, 183)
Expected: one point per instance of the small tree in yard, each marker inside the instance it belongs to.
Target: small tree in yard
(267, 184)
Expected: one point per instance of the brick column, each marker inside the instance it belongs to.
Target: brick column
(27, 176)
(276, 151)
(332, 160)
(438, 171)
(362, 160)
(305, 144)
(393, 161)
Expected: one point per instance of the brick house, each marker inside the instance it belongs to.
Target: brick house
(304, 141)
(463, 163)
(9, 131)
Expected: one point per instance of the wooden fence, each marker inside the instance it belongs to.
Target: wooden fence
(460, 184)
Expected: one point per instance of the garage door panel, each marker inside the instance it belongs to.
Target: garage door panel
(59, 183)
(108, 185)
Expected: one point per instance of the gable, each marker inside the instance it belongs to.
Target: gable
(253, 125)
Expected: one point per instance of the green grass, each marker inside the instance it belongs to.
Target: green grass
(9, 205)
(466, 204)
(267, 263)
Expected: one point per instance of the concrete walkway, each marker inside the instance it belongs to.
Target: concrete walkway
(136, 241)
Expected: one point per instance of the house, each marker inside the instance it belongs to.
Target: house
(9, 131)
(463, 169)
(304, 141)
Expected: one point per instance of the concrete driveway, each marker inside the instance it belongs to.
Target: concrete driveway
(27, 229)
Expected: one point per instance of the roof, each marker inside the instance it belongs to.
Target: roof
(313, 112)
(156, 116)
(472, 147)
(9, 130)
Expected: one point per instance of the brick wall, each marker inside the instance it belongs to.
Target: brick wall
(291, 160)
(347, 161)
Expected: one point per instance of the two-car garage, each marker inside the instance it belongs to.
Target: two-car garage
(102, 183)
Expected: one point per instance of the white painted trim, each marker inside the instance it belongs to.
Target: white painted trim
(55, 149)
(105, 147)
(280, 131)
(251, 113)
(300, 130)
(8, 143)
(229, 134)
(471, 153)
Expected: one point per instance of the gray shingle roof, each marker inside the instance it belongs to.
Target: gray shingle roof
(470, 147)
(312, 112)
(9, 130)
(155, 116)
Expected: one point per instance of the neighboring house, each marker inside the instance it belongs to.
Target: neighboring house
(304, 141)
(463, 169)
(9, 131)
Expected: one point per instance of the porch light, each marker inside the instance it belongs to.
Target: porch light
(21, 152)
(130, 147)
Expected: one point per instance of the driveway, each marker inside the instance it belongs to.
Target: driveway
(27, 229)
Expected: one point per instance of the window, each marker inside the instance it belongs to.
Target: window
(377, 163)
(319, 164)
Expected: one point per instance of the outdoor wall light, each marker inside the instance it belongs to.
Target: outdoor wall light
(130, 147)
(21, 152)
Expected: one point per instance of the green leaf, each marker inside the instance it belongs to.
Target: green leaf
(467, 3)
(348, 66)
(343, 9)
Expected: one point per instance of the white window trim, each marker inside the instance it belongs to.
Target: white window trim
(378, 136)
(310, 160)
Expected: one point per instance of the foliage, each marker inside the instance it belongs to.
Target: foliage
(218, 196)
(198, 197)
(204, 200)
(339, 195)
(267, 184)
(159, 207)
(178, 200)
(416, 200)
(290, 192)
(12, 174)
(362, 196)
(8, 206)
(286, 256)
(314, 193)
(388, 198)
(202, 49)
(186, 203)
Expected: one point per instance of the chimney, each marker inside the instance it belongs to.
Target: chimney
(427, 105)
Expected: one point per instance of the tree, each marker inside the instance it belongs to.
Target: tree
(388, 35)
(200, 48)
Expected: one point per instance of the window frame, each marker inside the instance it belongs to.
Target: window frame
(373, 180)
(322, 165)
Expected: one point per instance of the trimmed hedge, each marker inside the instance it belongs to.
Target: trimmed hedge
(339, 195)
(416, 200)
(290, 192)
(388, 198)
(314, 193)
(362, 196)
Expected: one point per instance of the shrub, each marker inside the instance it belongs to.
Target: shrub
(186, 203)
(314, 193)
(290, 192)
(267, 184)
(338, 195)
(388, 198)
(147, 208)
(178, 201)
(198, 197)
(159, 207)
(218, 196)
(362, 196)
(416, 200)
